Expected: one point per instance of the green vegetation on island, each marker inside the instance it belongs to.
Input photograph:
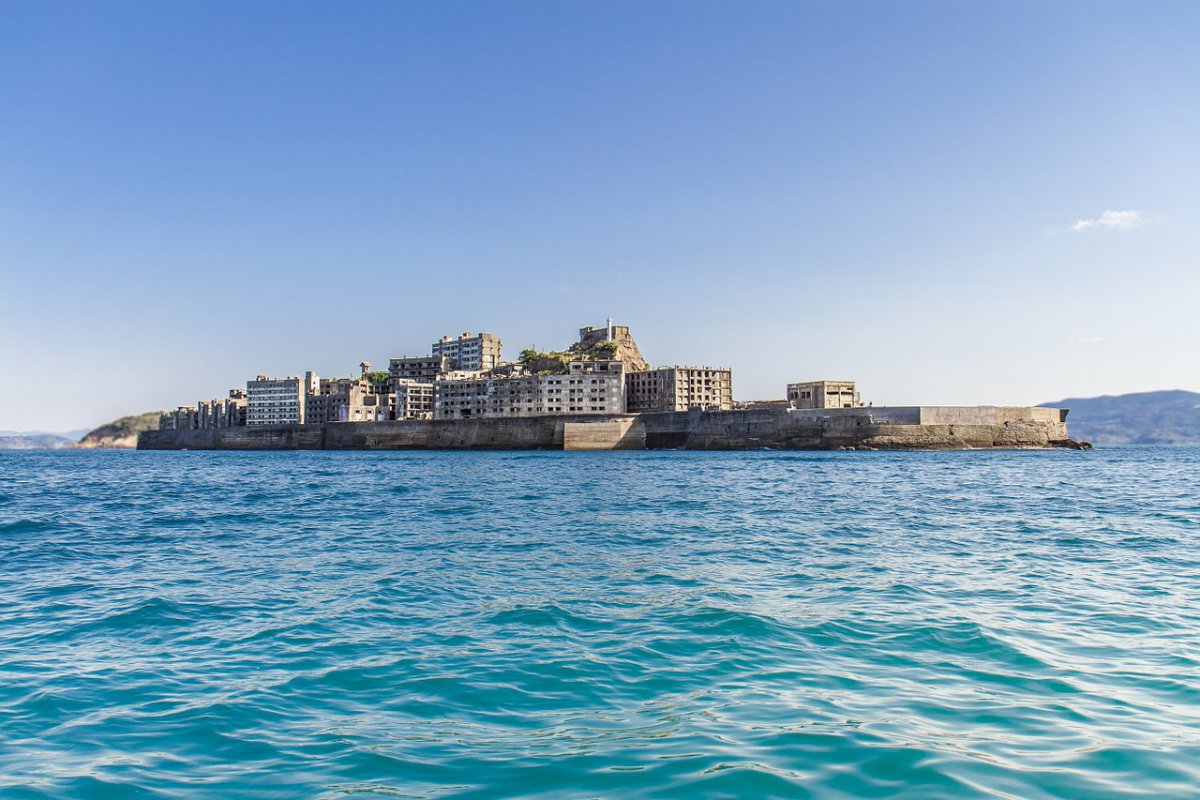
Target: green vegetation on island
(554, 362)
(121, 432)
(548, 363)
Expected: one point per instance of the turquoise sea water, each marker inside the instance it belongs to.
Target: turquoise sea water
(561, 625)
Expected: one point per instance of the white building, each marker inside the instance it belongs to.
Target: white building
(277, 401)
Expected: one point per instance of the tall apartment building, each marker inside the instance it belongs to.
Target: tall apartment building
(276, 401)
(413, 400)
(422, 369)
(679, 389)
(469, 353)
(588, 387)
(823, 394)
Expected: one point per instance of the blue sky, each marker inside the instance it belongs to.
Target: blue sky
(949, 202)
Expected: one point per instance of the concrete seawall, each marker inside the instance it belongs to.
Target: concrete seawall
(890, 428)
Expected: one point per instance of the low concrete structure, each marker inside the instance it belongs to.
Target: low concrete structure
(623, 433)
(823, 394)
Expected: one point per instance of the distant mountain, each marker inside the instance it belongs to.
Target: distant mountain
(35, 441)
(122, 432)
(72, 435)
(1169, 417)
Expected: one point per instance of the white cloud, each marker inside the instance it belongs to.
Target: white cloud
(1114, 220)
(1086, 339)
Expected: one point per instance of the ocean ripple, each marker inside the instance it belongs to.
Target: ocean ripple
(578, 625)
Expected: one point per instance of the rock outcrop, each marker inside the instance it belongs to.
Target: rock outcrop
(620, 346)
(121, 433)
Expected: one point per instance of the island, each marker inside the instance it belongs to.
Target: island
(598, 394)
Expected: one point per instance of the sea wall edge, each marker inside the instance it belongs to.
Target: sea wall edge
(883, 428)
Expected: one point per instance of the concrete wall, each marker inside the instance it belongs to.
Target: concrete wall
(531, 433)
(893, 415)
(249, 437)
(889, 428)
(617, 434)
(986, 415)
(750, 429)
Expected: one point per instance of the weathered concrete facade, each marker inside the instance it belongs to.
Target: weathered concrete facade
(679, 389)
(221, 412)
(823, 394)
(348, 400)
(896, 428)
(469, 352)
(588, 387)
(413, 399)
(183, 418)
(423, 369)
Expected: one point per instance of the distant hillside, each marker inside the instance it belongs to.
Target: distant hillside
(1170, 417)
(35, 441)
(122, 432)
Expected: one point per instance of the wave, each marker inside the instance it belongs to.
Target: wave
(493, 624)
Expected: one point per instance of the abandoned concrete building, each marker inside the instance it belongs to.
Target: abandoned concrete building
(423, 369)
(823, 394)
(469, 352)
(348, 400)
(679, 389)
(413, 400)
(588, 387)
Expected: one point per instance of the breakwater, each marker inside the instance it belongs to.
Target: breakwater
(775, 428)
